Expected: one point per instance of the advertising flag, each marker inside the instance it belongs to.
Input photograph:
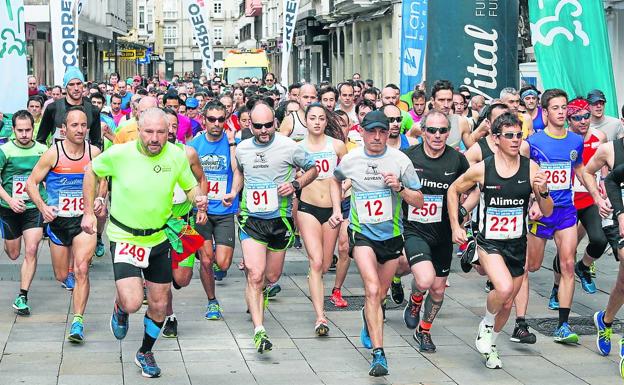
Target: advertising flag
(197, 11)
(291, 7)
(413, 43)
(64, 37)
(12, 57)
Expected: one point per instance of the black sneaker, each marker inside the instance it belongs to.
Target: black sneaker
(170, 329)
(522, 335)
(396, 291)
(489, 286)
(332, 267)
(411, 314)
(425, 343)
(297, 244)
(469, 256)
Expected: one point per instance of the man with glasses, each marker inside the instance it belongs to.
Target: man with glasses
(192, 112)
(395, 138)
(610, 126)
(265, 164)
(270, 84)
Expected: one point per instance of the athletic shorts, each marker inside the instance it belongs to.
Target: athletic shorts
(190, 260)
(13, 225)
(62, 231)
(322, 214)
(276, 234)
(384, 250)
(220, 228)
(513, 252)
(417, 249)
(345, 207)
(158, 270)
(560, 219)
(615, 240)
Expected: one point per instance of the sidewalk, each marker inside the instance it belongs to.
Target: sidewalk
(35, 350)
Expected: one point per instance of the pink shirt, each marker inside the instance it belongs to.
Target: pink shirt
(185, 129)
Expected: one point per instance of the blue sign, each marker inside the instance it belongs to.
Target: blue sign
(146, 59)
(413, 43)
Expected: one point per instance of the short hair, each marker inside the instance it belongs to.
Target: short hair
(98, 95)
(23, 115)
(160, 114)
(393, 86)
(506, 119)
(116, 96)
(293, 86)
(345, 84)
(370, 82)
(170, 111)
(59, 88)
(356, 73)
(364, 103)
(492, 107)
(171, 96)
(36, 98)
(215, 105)
(326, 90)
(419, 94)
(508, 91)
(262, 103)
(272, 74)
(370, 91)
(70, 110)
(456, 92)
(551, 94)
(440, 85)
(142, 91)
(431, 113)
(529, 87)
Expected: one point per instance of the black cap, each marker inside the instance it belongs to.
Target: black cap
(375, 119)
(596, 96)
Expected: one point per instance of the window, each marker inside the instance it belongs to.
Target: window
(217, 35)
(169, 10)
(141, 17)
(150, 20)
(217, 55)
(170, 35)
(217, 8)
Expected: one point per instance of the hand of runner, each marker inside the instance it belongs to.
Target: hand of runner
(604, 206)
(201, 202)
(391, 181)
(459, 235)
(17, 205)
(228, 199)
(49, 213)
(285, 189)
(335, 220)
(201, 218)
(89, 223)
(107, 132)
(231, 134)
(540, 182)
(99, 207)
(535, 214)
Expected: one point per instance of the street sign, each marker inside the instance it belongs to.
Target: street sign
(126, 54)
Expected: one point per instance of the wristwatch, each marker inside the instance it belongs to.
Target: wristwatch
(545, 194)
(296, 185)
(401, 187)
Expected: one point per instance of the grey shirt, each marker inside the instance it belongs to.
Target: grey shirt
(610, 126)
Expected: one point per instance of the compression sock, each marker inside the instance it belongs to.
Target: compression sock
(152, 330)
(564, 313)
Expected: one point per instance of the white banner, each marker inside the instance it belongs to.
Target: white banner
(64, 37)
(197, 11)
(291, 8)
(12, 57)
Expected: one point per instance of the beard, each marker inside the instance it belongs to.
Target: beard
(171, 138)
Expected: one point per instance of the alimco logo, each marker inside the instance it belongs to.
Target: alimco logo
(158, 169)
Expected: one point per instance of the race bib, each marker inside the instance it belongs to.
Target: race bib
(504, 223)
(262, 197)
(71, 203)
(374, 207)
(558, 174)
(325, 164)
(179, 196)
(135, 255)
(19, 187)
(217, 186)
(430, 212)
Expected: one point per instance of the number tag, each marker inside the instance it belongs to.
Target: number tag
(431, 212)
(217, 186)
(504, 223)
(325, 164)
(262, 197)
(135, 255)
(71, 203)
(558, 175)
(19, 187)
(374, 207)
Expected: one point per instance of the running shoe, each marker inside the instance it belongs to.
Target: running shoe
(553, 301)
(483, 342)
(364, 336)
(21, 305)
(337, 300)
(119, 323)
(396, 290)
(332, 266)
(468, 256)
(379, 365)
(218, 273)
(273, 289)
(492, 359)
(99, 248)
(170, 328)
(411, 314)
(76, 332)
(522, 335)
(489, 286)
(587, 283)
(262, 343)
(603, 339)
(70, 282)
(297, 244)
(147, 363)
(425, 343)
(592, 269)
(213, 311)
(321, 329)
(563, 334)
(622, 357)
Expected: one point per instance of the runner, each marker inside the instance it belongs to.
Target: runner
(266, 163)
(511, 98)
(530, 96)
(506, 180)
(328, 97)
(319, 213)
(345, 100)
(19, 215)
(130, 131)
(382, 178)
(140, 209)
(428, 243)
(61, 167)
(559, 153)
(608, 125)
(293, 124)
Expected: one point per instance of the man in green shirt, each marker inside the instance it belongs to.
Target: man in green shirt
(19, 217)
(144, 173)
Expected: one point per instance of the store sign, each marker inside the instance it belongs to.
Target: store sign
(197, 11)
(64, 37)
(12, 58)
(291, 8)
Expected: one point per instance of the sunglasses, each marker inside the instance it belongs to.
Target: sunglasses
(397, 119)
(434, 130)
(213, 119)
(578, 118)
(259, 126)
(511, 135)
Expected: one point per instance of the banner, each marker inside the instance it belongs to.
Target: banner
(12, 57)
(413, 43)
(197, 11)
(572, 48)
(64, 37)
(291, 8)
(474, 44)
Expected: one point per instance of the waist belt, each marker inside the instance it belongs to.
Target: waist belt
(136, 232)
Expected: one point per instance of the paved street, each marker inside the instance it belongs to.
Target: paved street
(35, 351)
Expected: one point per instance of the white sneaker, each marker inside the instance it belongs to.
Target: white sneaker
(483, 342)
(492, 360)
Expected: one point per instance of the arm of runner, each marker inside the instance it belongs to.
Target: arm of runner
(613, 184)
(473, 154)
(17, 205)
(47, 124)
(288, 124)
(525, 149)
(302, 159)
(467, 137)
(407, 185)
(89, 222)
(596, 163)
(336, 195)
(465, 182)
(43, 166)
(539, 181)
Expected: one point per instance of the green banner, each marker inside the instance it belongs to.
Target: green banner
(572, 47)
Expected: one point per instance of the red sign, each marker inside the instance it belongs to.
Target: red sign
(253, 7)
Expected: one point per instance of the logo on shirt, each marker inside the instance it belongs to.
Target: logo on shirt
(212, 162)
(372, 168)
(158, 169)
(260, 161)
(573, 155)
(493, 187)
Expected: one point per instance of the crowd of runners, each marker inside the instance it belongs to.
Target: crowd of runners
(389, 178)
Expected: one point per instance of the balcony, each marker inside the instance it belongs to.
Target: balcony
(351, 7)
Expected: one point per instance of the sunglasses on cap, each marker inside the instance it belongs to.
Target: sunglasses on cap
(397, 119)
(259, 126)
(578, 118)
(434, 130)
(213, 119)
(511, 135)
